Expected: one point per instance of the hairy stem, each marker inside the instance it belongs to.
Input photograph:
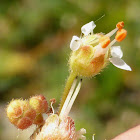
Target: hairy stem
(68, 98)
(69, 82)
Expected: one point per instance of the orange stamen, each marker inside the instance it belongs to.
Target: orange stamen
(120, 25)
(105, 40)
(121, 34)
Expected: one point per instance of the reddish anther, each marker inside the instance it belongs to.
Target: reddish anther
(120, 25)
(105, 40)
(121, 34)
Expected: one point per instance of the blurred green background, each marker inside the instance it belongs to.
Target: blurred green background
(34, 51)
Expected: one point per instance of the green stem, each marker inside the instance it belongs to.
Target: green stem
(69, 82)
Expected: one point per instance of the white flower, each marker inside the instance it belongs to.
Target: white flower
(101, 43)
(116, 60)
(88, 28)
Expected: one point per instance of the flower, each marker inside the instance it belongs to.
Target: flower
(60, 129)
(91, 52)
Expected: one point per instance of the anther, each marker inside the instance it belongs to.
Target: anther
(120, 25)
(105, 40)
(120, 35)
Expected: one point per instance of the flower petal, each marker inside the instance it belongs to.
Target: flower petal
(75, 43)
(119, 63)
(116, 51)
(88, 28)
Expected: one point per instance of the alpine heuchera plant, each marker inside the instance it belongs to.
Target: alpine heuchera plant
(90, 54)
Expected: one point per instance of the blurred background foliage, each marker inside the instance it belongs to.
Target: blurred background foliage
(34, 51)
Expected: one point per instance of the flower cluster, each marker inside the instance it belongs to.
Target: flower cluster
(24, 113)
(91, 52)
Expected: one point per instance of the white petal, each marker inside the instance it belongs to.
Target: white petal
(75, 43)
(116, 51)
(119, 63)
(88, 28)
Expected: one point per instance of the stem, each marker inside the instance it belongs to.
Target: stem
(69, 82)
(68, 98)
(73, 98)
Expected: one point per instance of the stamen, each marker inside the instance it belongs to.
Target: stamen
(105, 40)
(112, 42)
(121, 34)
(68, 98)
(52, 102)
(120, 25)
(73, 98)
(112, 32)
(52, 107)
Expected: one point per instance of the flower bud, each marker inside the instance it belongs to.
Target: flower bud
(39, 104)
(20, 113)
(24, 123)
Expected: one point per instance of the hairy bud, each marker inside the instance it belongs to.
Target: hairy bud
(20, 113)
(39, 104)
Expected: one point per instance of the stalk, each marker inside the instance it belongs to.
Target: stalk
(67, 88)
